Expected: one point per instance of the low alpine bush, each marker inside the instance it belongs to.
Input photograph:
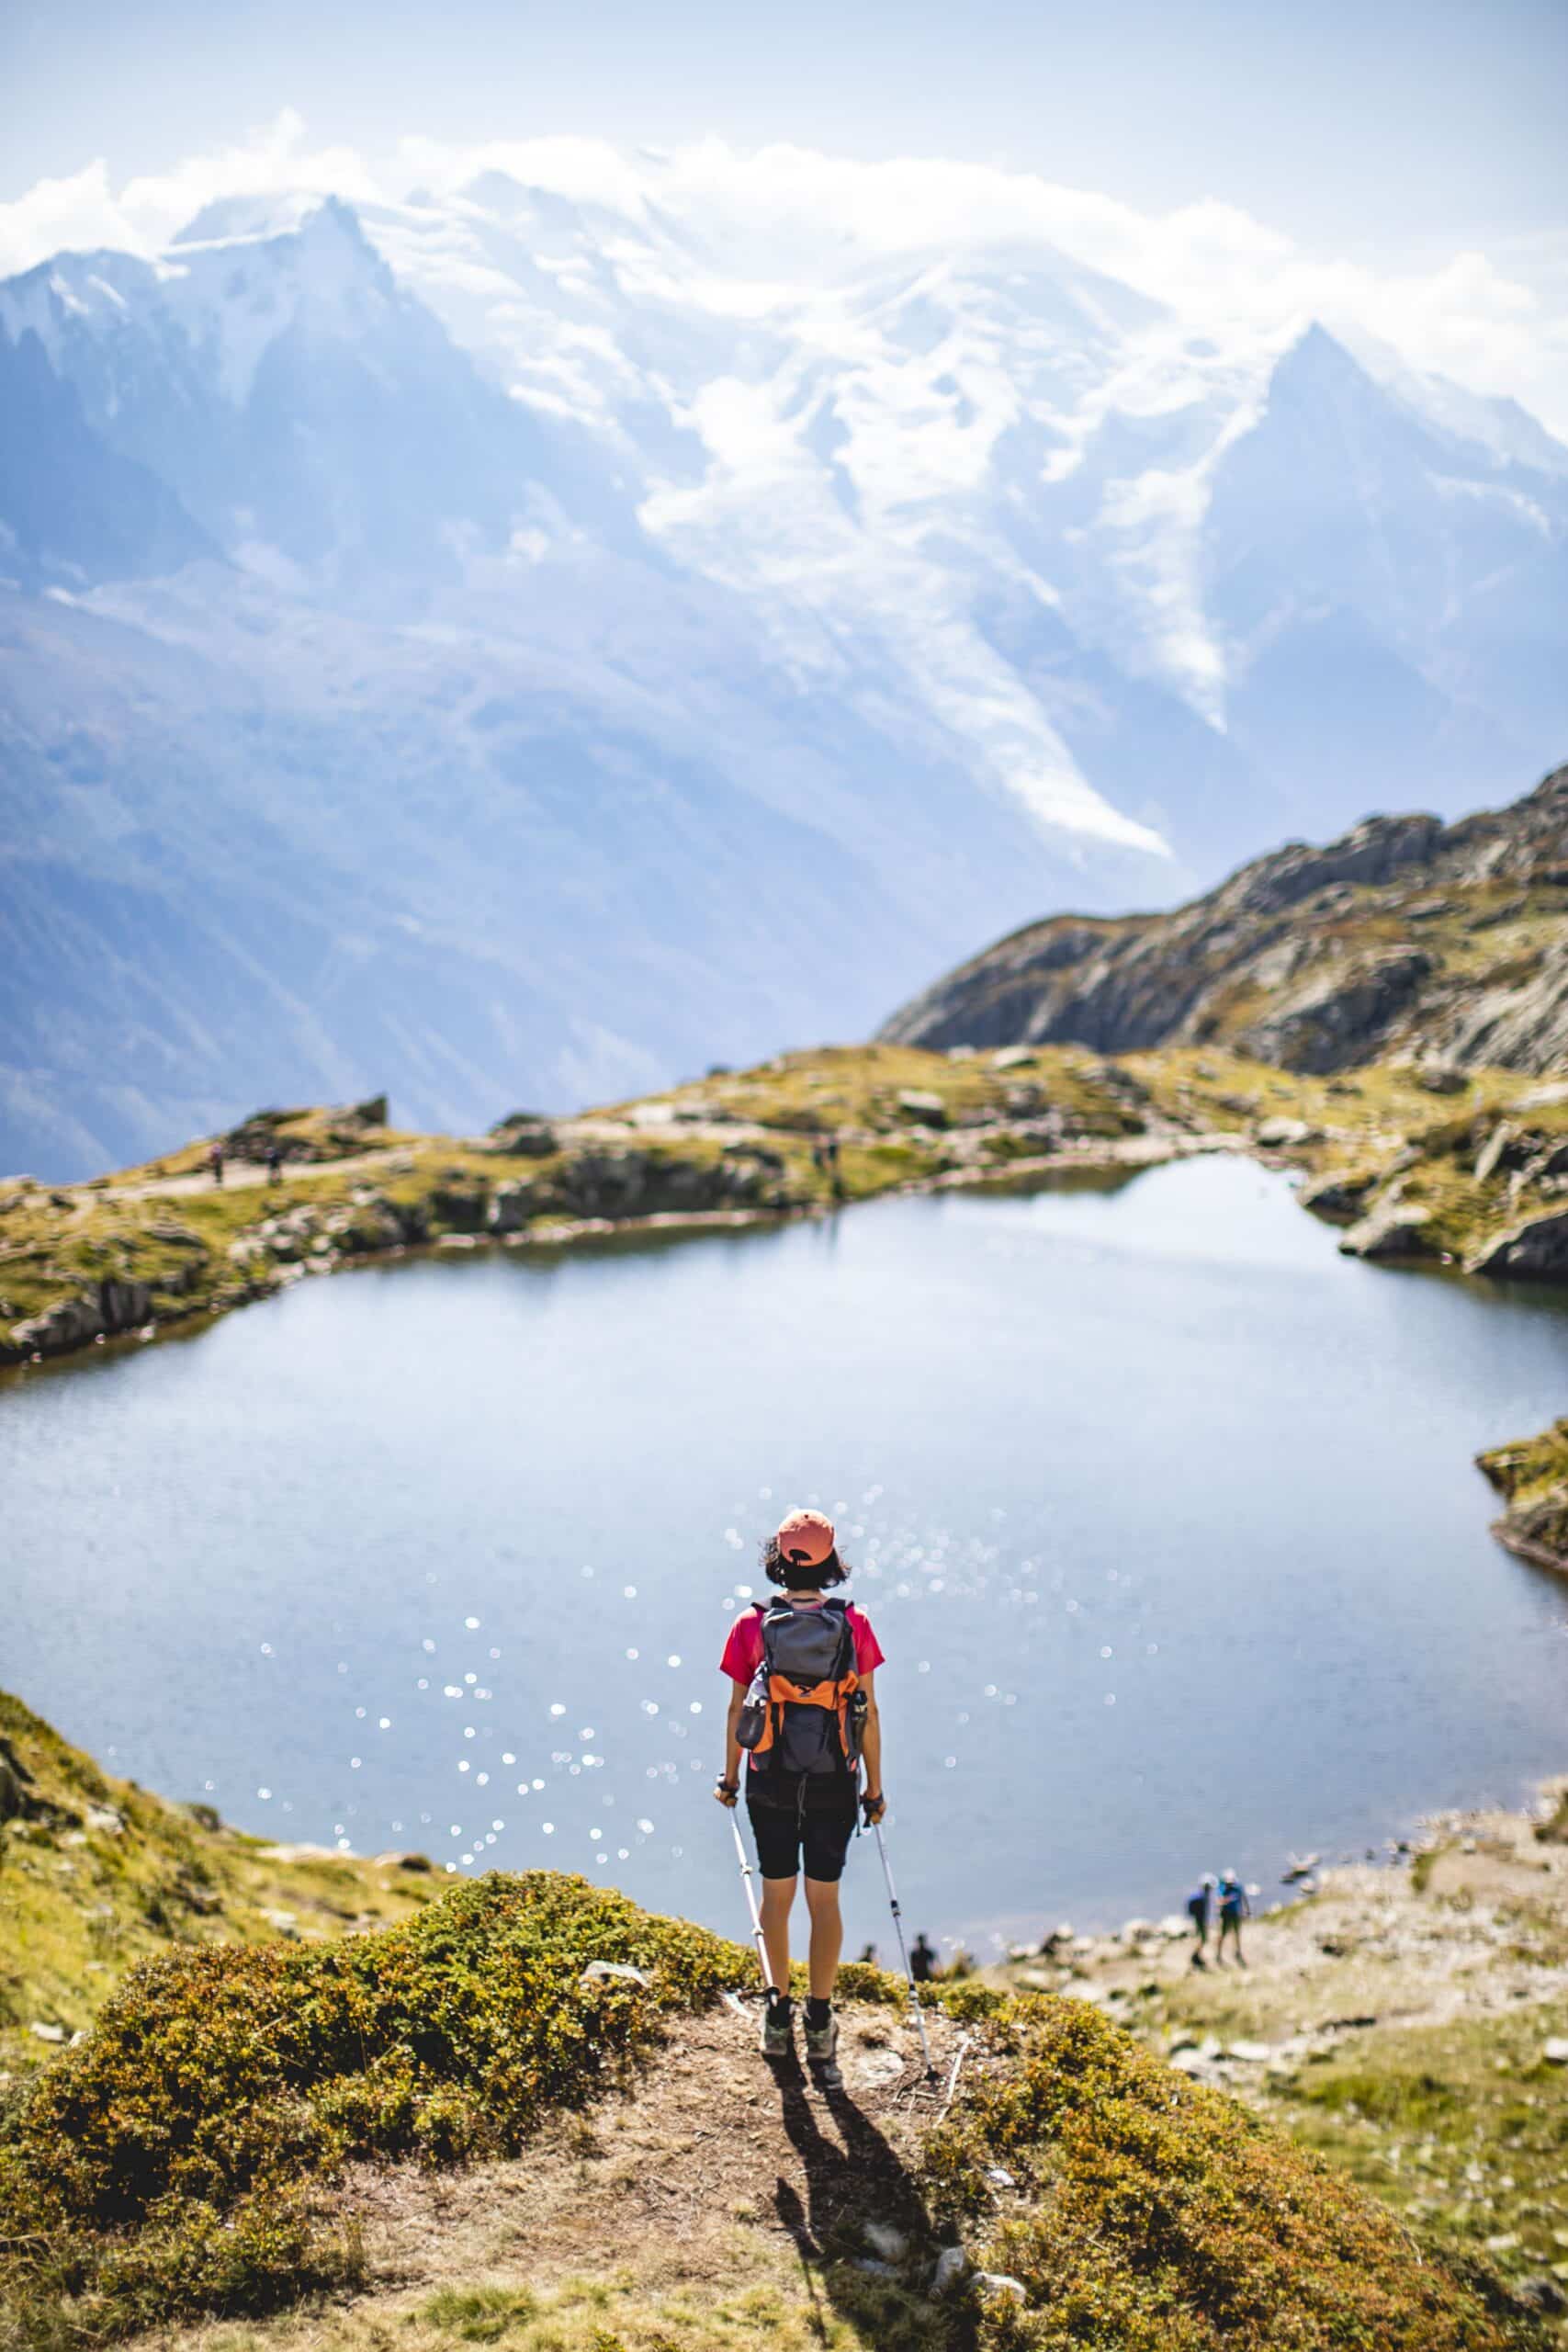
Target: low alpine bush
(172, 2164)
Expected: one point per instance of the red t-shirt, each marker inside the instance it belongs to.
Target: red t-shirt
(743, 1650)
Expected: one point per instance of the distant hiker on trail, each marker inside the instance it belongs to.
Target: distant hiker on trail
(868, 1956)
(215, 1160)
(1234, 1908)
(923, 1963)
(274, 1164)
(1199, 1910)
(804, 1705)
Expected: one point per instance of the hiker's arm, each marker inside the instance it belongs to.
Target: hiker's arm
(732, 1732)
(871, 1738)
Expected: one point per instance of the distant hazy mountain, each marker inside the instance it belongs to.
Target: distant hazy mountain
(509, 650)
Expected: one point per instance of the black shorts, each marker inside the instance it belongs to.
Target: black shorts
(789, 1839)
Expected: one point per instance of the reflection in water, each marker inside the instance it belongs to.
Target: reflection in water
(1165, 1514)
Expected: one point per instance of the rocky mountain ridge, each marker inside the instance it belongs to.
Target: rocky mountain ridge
(1405, 939)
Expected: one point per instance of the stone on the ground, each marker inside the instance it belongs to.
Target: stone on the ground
(952, 2264)
(48, 2032)
(1555, 2050)
(619, 1968)
(891, 2244)
(1014, 1058)
(927, 1110)
(1279, 1132)
(1393, 1230)
(995, 2286)
(1534, 1251)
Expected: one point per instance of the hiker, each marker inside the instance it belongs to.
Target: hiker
(215, 1159)
(923, 1963)
(868, 1956)
(1234, 1908)
(830, 1161)
(1199, 1910)
(274, 1164)
(803, 1704)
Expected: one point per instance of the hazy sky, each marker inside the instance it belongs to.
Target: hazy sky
(1385, 128)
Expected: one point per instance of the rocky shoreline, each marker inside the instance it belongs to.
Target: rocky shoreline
(1408, 2017)
(1465, 1170)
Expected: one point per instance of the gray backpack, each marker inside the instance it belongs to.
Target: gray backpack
(799, 1715)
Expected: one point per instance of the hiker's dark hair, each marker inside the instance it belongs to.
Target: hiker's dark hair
(795, 1574)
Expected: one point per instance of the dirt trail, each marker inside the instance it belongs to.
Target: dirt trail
(238, 1176)
(719, 2194)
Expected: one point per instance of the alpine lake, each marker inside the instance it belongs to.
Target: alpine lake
(1164, 1515)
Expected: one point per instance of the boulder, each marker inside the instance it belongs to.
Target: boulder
(1014, 1058)
(461, 1203)
(1277, 1133)
(1392, 1231)
(1536, 1252)
(952, 2265)
(926, 1110)
(524, 1134)
(1442, 1078)
(619, 1972)
(1339, 1199)
(1490, 1157)
(511, 1206)
(72, 1323)
(126, 1305)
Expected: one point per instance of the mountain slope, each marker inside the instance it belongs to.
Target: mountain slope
(1405, 937)
(489, 609)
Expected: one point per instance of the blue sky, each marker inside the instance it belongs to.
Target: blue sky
(1388, 128)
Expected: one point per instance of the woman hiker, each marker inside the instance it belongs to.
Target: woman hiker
(803, 1700)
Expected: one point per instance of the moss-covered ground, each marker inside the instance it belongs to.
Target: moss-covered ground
(97, 1875)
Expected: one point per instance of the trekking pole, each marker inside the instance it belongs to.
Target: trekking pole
(903, 1950)
(751, 1904)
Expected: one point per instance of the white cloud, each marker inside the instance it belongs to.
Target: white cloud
(78, 213)
(1497, 324)
(272, 159)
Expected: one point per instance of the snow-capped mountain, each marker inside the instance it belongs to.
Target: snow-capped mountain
(507, 647)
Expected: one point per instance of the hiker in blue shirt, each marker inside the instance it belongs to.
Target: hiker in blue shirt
(1200, 1909)
(1234, 1908)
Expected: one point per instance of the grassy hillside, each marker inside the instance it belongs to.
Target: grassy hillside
(96, 1874)
(213, 2146)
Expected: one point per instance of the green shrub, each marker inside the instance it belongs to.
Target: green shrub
(164, 2168)
(1154, 2215)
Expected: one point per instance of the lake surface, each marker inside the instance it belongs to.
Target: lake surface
(1164, 1512)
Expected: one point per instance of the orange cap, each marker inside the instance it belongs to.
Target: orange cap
(805, 1538)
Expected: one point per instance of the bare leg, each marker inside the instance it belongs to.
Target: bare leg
(778, 1897)
(827, 1935)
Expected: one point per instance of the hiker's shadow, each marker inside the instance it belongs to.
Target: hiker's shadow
(851, 2178)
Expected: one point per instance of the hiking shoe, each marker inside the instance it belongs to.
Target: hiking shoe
(822, 2043)
(778, 2029)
